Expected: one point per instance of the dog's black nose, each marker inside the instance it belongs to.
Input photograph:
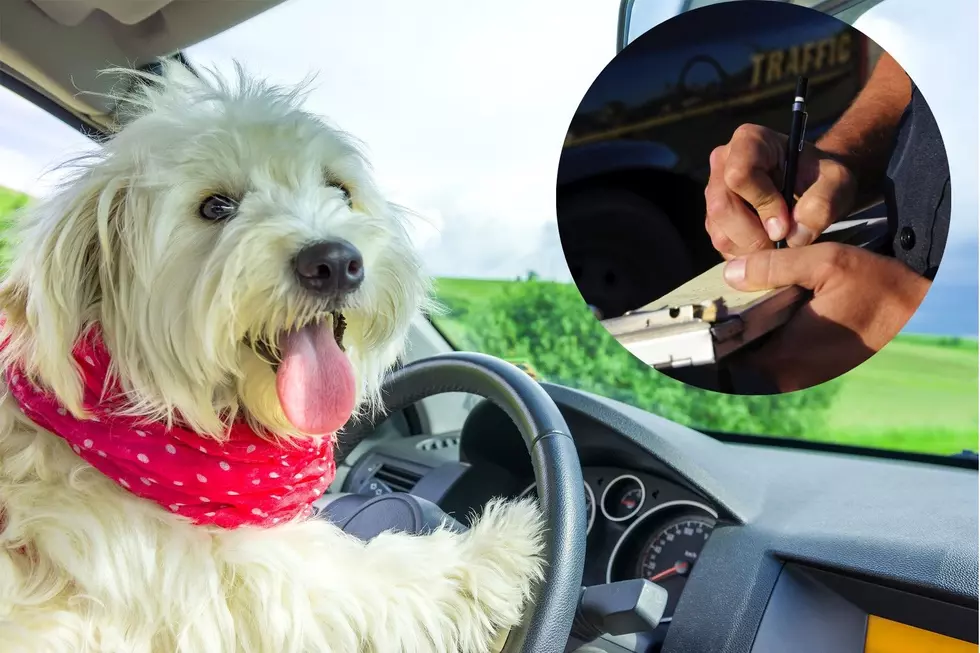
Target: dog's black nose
(330, 267)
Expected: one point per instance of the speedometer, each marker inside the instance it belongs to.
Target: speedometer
(668, 556)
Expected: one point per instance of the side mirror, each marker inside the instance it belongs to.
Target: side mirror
(639, 16)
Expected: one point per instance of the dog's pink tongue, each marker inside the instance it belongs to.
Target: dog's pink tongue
(315, 381)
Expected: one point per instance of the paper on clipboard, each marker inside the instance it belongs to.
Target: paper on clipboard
(709, 288)
(702, 321)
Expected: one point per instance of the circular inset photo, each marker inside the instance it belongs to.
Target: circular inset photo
(753, 197)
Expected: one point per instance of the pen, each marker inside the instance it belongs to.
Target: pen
(794, 147)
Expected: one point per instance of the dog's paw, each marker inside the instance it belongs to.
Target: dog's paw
(506, 550)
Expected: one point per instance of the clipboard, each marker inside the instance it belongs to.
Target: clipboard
(705, 320)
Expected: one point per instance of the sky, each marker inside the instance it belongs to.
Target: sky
(462, 106)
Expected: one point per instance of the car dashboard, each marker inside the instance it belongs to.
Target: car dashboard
(761, 548)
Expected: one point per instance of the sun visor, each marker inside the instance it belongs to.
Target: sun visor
(58, 48)
(126, 12)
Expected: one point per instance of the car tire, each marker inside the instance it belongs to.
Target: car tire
(622, 250)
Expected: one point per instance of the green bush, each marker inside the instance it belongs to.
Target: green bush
(548, 325)
(11, 202)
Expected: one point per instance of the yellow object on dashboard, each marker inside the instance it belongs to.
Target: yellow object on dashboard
(885, 636)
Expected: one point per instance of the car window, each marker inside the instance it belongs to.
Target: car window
(33, 145)
(472, 144)
(467, 134)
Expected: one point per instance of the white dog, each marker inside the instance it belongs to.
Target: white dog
(186, 324)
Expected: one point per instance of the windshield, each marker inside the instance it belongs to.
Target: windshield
(465, 127)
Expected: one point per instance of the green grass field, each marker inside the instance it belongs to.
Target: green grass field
(919, 393)
(916, 392)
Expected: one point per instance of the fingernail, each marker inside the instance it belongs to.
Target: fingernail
(774, 228)
(799, 235)
(735, 270)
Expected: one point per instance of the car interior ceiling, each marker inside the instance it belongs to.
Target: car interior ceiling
(57, 47)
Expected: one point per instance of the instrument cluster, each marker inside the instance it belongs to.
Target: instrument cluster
(642, 526)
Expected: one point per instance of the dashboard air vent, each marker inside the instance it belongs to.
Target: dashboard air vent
(433, 444)
(396, 478)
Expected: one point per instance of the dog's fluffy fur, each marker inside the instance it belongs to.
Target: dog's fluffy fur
(87, 566)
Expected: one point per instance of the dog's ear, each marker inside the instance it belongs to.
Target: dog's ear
(52, 291)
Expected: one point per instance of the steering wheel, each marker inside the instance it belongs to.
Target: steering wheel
(557, 472)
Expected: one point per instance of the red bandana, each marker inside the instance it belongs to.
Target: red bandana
(246, 480)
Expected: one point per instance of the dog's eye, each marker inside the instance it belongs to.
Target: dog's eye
(346, 192)
(332, 181)
(218, 207)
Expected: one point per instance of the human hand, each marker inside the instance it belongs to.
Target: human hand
(746, 174)
(860, 302)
